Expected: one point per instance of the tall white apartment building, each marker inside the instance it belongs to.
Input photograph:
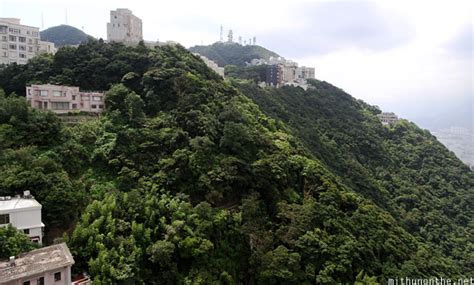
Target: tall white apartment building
(23, 213)
(124, 27)
(18, 43)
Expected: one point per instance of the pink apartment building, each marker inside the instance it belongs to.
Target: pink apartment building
(64, 99)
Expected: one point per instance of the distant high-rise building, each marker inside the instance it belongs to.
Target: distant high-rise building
(124, 27)
(18, 43)
(230, 37)
(240, 40)
(274, 75)
(254, 40)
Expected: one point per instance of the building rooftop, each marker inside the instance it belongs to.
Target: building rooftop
(35, 262)
(17, 203)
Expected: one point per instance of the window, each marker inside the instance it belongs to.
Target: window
(12, 38)
(85, 97)
(3, 29)
(73, 97)
(30, 49)
(15, 31)
(26, 231)
(22, 48)
(22, 39)
(22, 55)
(101, 106)
(40, 281)
(4, 219)
(60, 105)
(94, 106)
(44, 93)
(59, 94)
(74, 106)
(12, 46)
(57, 276)
(4, 38)
(26, 283)
(96, 98)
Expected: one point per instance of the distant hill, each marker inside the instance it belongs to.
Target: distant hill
(224, 54)
(64, 35)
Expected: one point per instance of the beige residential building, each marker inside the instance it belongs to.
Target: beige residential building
(44, 266)
(64, 99)
(124, 27)
(18, 43)
(304, 72)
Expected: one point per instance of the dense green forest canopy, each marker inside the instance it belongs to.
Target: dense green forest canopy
(190, 179)
(233, 53)
(63, 35)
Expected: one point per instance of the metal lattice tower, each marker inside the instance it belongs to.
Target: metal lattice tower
(221, 38)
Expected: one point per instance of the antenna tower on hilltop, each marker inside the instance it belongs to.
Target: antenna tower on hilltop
(221, 38)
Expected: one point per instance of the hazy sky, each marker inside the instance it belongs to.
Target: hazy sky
(411, 57)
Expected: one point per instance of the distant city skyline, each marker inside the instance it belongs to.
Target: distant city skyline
(410, 57)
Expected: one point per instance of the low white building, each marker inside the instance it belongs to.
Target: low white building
(44, 266)
(387, 118)
(23, 213)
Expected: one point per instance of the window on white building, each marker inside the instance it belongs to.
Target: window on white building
(26, 283)
(96, 98)
(12, 46)
(40, 281)
(22, 39)
(59, 94)
(12, 38)
(4, 219)
(44, 93)
(26, 231)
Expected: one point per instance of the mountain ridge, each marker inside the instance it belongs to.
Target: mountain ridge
(63, 35)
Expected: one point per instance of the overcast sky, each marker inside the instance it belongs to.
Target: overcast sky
(410, 57)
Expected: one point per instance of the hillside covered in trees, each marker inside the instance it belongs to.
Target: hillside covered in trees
(232, 53)
(63, 35)
(190, 179)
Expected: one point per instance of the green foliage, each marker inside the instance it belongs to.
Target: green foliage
(14, 242)
(233, 54)
(184, 180)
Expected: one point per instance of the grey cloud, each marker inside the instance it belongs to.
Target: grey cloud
(329, 26)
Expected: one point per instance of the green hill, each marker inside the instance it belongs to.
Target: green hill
(232, 54)
(64, 35)
(190, 179)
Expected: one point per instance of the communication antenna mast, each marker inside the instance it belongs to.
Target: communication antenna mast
(221, 38)
(254, 40)
(230, 36)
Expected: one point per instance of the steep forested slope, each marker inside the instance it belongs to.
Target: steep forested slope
(233, 54)
(184, 180)
(402, 168)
